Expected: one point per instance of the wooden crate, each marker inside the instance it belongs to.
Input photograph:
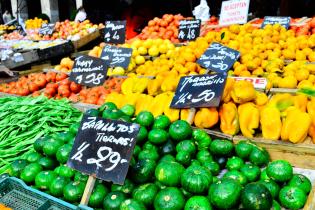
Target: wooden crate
(310, 203)
(86, 39)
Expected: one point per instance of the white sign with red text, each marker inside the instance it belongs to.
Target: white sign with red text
(258, 82)
(234, 12)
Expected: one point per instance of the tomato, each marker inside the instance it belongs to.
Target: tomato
(101, 99)
(52, 85)
(83, 93)
(74, 98)
(33, 87)
(51, 76)
(62, 87)
(13, 91)
(61, 76)
(65, 82)
(64, 92)
(51, 91)
(91, 100)
(24, 91)
(40, 82)
(36, 93)
(75, 87)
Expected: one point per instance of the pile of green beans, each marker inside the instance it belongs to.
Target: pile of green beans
(24, 119)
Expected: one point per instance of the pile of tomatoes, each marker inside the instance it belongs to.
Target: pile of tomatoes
(97, 95)
(32, 83)
(164, 28)
(307, 29)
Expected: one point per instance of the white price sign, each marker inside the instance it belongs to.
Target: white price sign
(234, 12)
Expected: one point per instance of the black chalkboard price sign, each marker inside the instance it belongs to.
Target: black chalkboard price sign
(116, 56)
(47, 29)
(271, 20)
(199, 91)
(103, 148)
(189, 29)
(89, 71)
(115, 32)
(218, 58)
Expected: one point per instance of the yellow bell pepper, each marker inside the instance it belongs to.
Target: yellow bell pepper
(270, 120)
(249, 119)
(154, 86)
(300, 102)
(311, 106)
(261, 98)
(184, 114)
(311, 112)
(143, 103)
(229, 119)
(243, 91)
(172, 114)
(169, 84)
(311, 130)
(140, 85)
(206, 117)
(282, 101)
(226, 96)
(157, 106)
(127, 85)
(295, 125)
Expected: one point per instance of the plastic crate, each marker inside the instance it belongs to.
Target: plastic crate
(15, 194)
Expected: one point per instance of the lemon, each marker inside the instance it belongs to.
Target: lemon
(118, 71)
(139, 59)
(142, 50)
(153, 51)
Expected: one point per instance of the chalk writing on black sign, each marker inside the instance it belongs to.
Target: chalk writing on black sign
(271, 20)
(189, 29)
(89, 71)
(47, 29)
(218, 58)
(104, 148)
(115, 32)
(199, 91)
(116, 56)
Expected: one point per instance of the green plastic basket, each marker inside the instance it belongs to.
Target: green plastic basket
(15, 194)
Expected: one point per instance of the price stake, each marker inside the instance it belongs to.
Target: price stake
(199, 91)
(103, 148)
(89, 71)
(218, 58)
(189, 29)
(116, 56)
(115, 32)
(271, 20)
(47, 29)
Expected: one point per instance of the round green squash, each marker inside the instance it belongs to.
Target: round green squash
(145, 193)
(256, 196)
(196, 179)
(170, 198)
(169, 173)
(198, 203)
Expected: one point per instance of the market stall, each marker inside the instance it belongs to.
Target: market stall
(187, 115)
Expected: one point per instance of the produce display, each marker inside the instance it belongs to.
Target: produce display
(24, 119)
(35, 23)
(173, 167)
(194, 158)
(66, 30)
